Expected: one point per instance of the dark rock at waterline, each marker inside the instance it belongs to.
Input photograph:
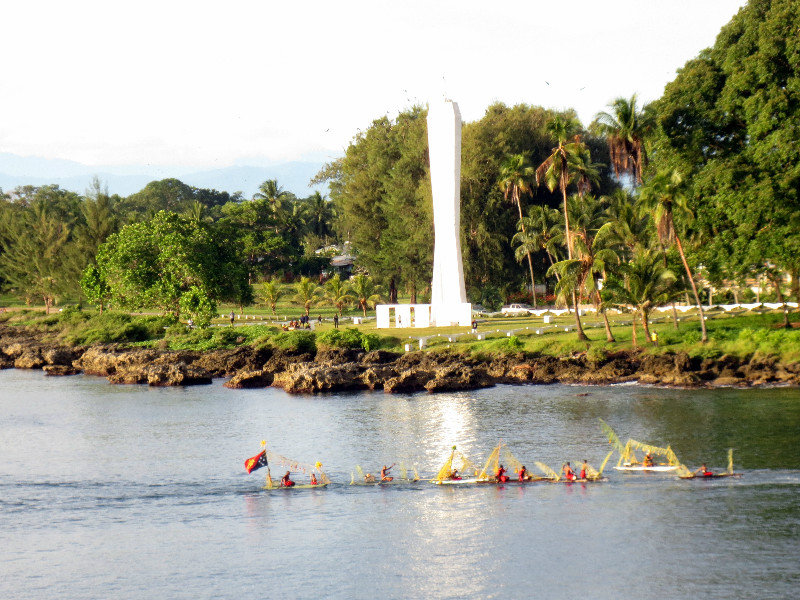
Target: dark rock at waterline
(250, 379)
(60, 370)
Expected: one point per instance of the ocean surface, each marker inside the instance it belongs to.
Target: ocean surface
(135, 492)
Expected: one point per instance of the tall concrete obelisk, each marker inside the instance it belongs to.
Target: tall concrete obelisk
(448, 296)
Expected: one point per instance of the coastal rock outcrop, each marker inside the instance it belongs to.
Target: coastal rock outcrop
(342, 369)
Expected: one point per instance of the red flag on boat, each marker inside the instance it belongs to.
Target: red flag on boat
(256, 462)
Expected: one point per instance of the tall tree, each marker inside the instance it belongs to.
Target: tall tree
(515, 179)
(624, 129)
(662, 197)
(172, 264)
(556, 171)
(35, 260)
(594, 253)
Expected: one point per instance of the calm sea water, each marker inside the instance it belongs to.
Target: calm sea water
(132, 492)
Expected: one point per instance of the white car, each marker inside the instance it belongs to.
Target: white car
(516, 309)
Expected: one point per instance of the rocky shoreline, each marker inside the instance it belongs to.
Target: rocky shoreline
(339, 370)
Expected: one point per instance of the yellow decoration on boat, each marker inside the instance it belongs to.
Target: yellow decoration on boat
(457, 459)
(547, 471)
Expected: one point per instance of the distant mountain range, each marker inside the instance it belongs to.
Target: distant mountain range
(125, 180)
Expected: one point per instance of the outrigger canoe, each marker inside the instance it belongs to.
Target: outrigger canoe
(404, 478)
(687, 474)
(627, 454)
(488, 474)
(266, 457)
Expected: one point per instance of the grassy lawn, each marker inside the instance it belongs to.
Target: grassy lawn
(740, 334)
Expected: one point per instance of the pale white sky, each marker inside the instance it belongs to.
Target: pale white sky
(211, 84)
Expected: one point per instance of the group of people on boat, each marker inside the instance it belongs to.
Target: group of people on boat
(569, 472)
(286, 480)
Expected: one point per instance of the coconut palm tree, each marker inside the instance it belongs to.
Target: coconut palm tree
(558, 170)
(336, 292)
(364, 291)
(555, 171)
(270, 292)
(542, 229)
(319, 216)
(624, 128)
(515, 177)
(647, 284)
(663, 197)
(306, 293)
(594, 251)
(274, 194)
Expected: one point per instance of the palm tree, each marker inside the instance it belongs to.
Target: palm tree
(624, 129)
(270, 292)
(306, 293)
(196, 211)
(662, 197)
(319, 216)
(594, 249)
(542, 229)
(274, 194)
(557, 171)
(648, 283)
(515, 177)
(336, 293)
(365, 292)
(276, 198)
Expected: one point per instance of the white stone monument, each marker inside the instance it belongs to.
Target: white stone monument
(449, 304)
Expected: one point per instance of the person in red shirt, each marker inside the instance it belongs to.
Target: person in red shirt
(501, 474)
(569, 474)
(523, 474)
(703, 471)
(285, 481)
(583, 469)
(313, 479)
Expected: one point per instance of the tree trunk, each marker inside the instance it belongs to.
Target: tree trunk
(710, 296)
(530, 262)
(777, 282)
(704, 335)
(566, 217)
(633, 332)
(581, 334)
(674, 316)
(646, 327)
(609, 335)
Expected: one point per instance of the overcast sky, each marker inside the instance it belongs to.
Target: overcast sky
(211, 84)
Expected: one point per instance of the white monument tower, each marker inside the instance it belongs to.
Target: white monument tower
(449, 304)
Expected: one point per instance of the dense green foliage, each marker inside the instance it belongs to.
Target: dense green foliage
(730, 124)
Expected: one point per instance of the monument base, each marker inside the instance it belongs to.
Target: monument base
(423, 315)
(448, 315)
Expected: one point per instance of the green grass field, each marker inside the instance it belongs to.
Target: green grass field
(742, 334)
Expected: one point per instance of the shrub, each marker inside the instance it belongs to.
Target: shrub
(296, 341)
